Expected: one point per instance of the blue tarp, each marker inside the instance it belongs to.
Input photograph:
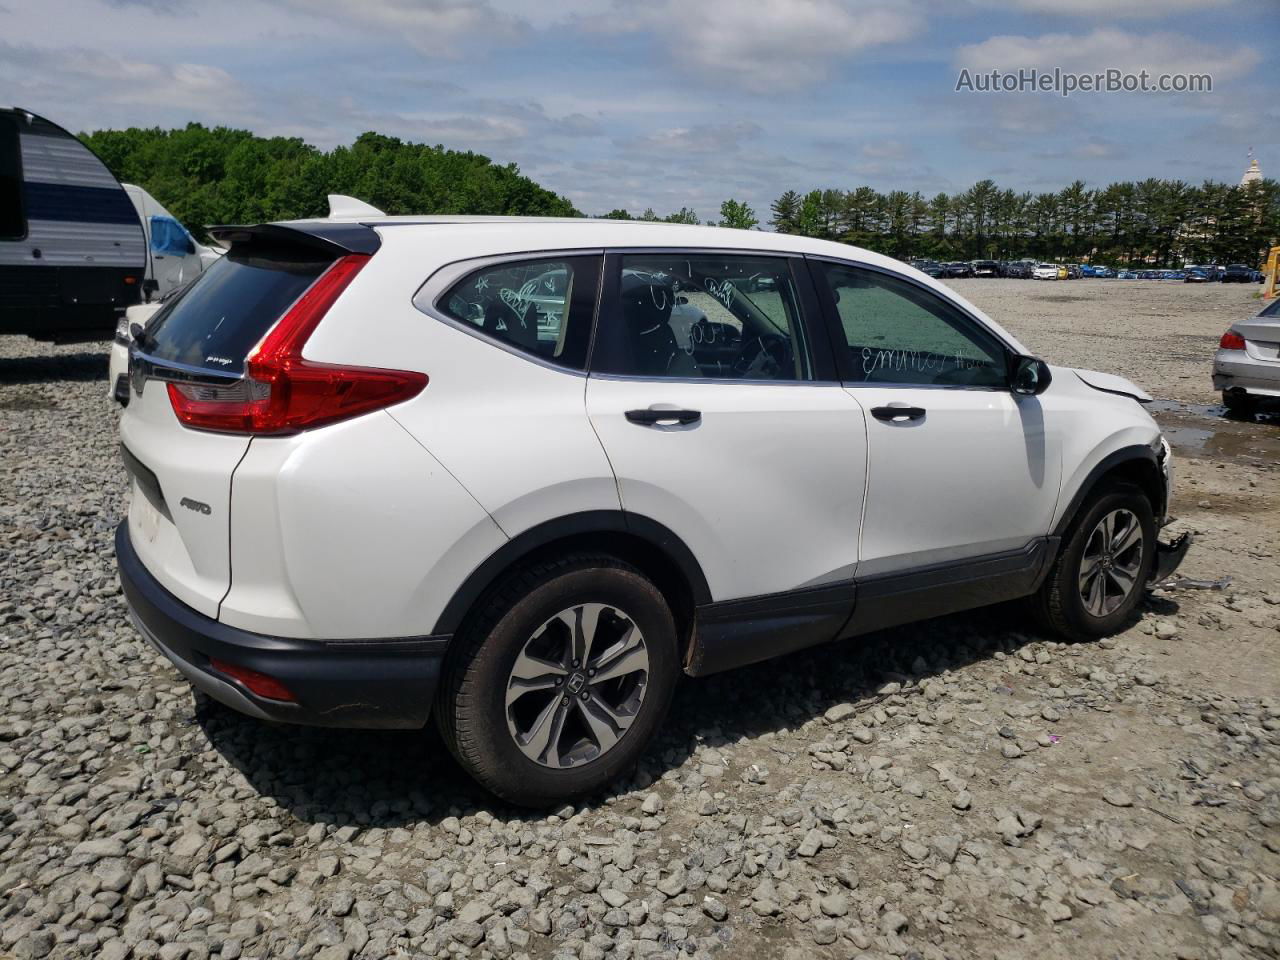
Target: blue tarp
(169, 236)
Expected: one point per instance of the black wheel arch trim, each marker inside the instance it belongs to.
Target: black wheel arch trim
(1135, 453)
(658, 536)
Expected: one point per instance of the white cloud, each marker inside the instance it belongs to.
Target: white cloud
(1107, 48)
(779, 46)
(1109, 8)
(713, 138)
(885, 150)
(92, 79)
(429, 25)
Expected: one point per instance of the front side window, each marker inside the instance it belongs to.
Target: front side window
(703, 316)
(541, 307)
(897, 332)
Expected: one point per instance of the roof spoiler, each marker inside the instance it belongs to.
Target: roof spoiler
(333, 238)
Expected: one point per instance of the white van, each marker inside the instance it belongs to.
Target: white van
(174, 259)
(173, 255)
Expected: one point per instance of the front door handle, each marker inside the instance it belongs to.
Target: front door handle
(898, 413)
(652, 417)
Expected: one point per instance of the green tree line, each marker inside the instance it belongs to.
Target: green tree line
(1156, 222)
(220, 175)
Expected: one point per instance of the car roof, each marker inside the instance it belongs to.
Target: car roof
(479, 236)
(592, 231)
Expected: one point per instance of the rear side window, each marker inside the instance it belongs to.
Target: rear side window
(703, 316)
(540, 307)
(13, 225)
(233, 304)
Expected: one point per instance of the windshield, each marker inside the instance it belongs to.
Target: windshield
(223, 315)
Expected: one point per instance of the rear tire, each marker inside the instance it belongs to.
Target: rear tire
(517, 707)
(1111, 544)
(1237, 401)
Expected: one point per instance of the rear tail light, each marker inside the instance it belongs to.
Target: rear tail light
(1231, 341)
(283, 393)
(262, 684)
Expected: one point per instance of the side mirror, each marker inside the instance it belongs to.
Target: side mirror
(1031, 376)
(191, 246)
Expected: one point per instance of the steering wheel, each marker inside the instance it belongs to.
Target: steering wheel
(766, 356)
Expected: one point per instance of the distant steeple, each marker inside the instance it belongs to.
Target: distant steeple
(1253, 174)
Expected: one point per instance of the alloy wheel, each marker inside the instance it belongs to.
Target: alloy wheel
(577, 685)
(1112, 562)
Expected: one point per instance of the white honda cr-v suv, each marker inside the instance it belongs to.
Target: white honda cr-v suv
(521, 474)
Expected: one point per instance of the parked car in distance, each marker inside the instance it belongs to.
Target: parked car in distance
(1063, 272)
(1126, 275)
(1046, 271)
(1246, 367)
(1074, 272)
(1104, 273)
(958, 268)
(383, 473)
(1196, 275)
(1238, 273)
(986, 268)
(932, 268)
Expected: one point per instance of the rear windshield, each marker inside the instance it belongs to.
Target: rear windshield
(216, 322)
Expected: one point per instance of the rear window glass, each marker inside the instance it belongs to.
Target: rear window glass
(13, 225)
(228, 310)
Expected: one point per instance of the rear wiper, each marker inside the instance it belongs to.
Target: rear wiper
(140, 336)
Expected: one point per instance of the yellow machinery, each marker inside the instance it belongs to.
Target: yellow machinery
(1271, 274)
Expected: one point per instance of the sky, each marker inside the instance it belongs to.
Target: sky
(679, 103)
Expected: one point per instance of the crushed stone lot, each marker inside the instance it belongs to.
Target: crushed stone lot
(958, 788)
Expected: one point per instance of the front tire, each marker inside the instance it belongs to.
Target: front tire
(561, 680)
(1099, 575)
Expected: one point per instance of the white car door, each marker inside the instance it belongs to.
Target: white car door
(723, 430)
(958, 466)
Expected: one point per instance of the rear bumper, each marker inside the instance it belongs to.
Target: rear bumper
(1236, 370)
(337, 683)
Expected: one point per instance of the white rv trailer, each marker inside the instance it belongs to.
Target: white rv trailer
(72, 251)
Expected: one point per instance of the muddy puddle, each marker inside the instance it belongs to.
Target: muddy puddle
(1210, 432)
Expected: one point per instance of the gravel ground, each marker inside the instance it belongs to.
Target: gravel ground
(959, 788)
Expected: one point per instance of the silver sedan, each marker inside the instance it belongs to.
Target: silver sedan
(1247, 364)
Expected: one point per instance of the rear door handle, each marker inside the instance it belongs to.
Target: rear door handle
(898, 413)
(652, 417)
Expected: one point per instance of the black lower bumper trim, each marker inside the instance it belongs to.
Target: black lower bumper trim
(1169, 557)
(338, 683)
